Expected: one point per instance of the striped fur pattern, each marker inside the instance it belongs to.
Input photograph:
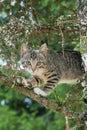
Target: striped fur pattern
(48, 68)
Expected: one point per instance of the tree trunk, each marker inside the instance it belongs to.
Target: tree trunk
(82, 17)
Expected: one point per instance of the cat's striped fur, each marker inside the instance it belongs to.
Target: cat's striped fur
(48, 68)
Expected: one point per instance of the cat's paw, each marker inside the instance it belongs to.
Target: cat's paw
(24, 82)
(40, 92)
(21, 80)
(17, 81)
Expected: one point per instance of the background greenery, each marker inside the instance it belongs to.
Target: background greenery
(35, 22)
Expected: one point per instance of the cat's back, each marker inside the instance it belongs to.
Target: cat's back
(68, 58)
(68, 64)
(72, 59)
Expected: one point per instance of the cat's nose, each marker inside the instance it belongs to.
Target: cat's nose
(33, 69)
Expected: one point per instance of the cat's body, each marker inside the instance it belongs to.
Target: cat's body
(48, 68)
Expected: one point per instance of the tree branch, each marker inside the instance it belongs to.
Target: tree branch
(55, 106)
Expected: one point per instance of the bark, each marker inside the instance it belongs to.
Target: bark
(82, 17)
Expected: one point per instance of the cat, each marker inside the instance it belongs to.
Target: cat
(48, 68)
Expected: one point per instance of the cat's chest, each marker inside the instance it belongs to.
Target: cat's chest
(40, 74)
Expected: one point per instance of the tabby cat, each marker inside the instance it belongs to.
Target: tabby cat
(48, 68)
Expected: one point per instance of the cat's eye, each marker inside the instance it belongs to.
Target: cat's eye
(28, 63)
(39, 63)
(24, 64)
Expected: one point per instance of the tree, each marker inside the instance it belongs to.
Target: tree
(48, 21)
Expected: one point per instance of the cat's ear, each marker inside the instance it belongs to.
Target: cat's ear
(24, 49)
(43, 49)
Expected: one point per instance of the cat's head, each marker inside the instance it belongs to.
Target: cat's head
(34, 61)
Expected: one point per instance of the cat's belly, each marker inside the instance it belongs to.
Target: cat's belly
(68, 81)
(71, 77)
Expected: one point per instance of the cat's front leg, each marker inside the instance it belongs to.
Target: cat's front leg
(40, 92)
(24, 82)
(32, 82)
(44, 91)
(29, 83)
(35, 81)
(50, 85)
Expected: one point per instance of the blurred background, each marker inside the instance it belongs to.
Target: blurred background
(36, 22)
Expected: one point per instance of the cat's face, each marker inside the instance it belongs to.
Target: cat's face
(34, 61)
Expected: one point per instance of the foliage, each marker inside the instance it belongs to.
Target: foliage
(35, 22)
